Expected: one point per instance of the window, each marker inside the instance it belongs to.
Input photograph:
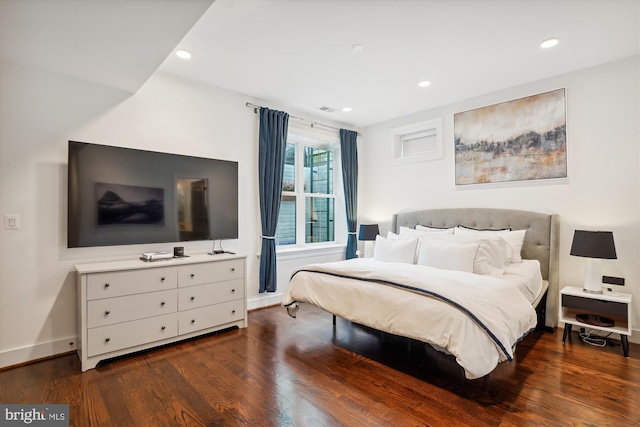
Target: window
(308, 204)
(418, 142)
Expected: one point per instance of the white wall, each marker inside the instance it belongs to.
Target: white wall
(602, 191)
(39, 113)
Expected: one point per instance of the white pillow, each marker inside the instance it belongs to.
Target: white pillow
(436, 230)
(406, 231)
(493, 253)
(421, 237)
(395, 250)
(448, 254)
(514, 238)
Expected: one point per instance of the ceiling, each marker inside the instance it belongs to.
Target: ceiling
(299, 53)
(117, 44)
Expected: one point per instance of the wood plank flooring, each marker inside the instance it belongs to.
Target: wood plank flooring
(304, 372)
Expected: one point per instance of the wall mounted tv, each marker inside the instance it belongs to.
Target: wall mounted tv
(124, 196)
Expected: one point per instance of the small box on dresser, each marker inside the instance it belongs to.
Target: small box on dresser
(127, 306)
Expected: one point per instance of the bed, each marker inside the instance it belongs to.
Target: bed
(476, 318)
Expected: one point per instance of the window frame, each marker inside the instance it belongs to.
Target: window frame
(425, 129)
(314, 138)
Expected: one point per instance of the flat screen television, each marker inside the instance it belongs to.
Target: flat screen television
(124, 196)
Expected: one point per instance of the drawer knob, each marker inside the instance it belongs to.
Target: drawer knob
(233, 291)
(106, 285)
(233, 312)
(192, 298)
(162, 304)
(162, 279)
(106, 313)
(164, 327)
(193, 321)
(193, 275)
(107, 339)
(233, 269)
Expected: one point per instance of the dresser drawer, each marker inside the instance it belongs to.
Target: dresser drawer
(210, 316)
(118, 283)
(199, 274)
(129, 334)
(212, 293)
(108, 311)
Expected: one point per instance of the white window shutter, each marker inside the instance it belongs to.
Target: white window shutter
(418, 142)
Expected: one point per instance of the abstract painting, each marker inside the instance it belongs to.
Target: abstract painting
(519, 140)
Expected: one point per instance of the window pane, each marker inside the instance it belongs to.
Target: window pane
(289, 177)
(319, 219)
(286, 230)
(318, 171)
(419, 143)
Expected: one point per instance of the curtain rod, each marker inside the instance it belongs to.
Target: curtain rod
(311, 122)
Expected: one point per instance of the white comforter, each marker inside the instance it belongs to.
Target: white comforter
(407, 300)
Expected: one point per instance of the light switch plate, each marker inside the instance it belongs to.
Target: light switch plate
(12, 222)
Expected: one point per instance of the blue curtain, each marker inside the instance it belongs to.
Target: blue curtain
(349, 152)
(273, 142)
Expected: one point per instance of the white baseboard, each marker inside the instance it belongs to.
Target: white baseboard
(264, 301)
(37, 351)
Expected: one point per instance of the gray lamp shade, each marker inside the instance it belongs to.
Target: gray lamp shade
(593, 244)
(368, 232)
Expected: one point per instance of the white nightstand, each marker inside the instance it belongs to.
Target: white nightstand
(612, 305)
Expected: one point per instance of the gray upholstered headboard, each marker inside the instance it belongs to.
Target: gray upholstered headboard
(540, 242)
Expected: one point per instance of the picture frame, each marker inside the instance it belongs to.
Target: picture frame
(518, 140)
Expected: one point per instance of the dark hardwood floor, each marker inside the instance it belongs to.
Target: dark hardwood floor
(302, 372)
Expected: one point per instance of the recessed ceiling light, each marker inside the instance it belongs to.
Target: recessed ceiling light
(424, 83)
(184, 54)
(346, 109)
(356, 48)
(549, 43)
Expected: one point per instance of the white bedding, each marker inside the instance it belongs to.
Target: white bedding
(352, 289)
(527, 276)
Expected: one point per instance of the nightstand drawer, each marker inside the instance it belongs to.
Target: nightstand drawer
(589, 305)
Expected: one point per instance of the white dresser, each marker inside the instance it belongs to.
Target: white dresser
(127, 306)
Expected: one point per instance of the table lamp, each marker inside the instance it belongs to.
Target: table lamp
(368, 233)
(593, 245)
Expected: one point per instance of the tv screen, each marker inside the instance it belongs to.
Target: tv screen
(124, 196)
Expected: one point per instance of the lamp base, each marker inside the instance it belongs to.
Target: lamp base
(368, 249)
(595, 320)
(592, 276)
